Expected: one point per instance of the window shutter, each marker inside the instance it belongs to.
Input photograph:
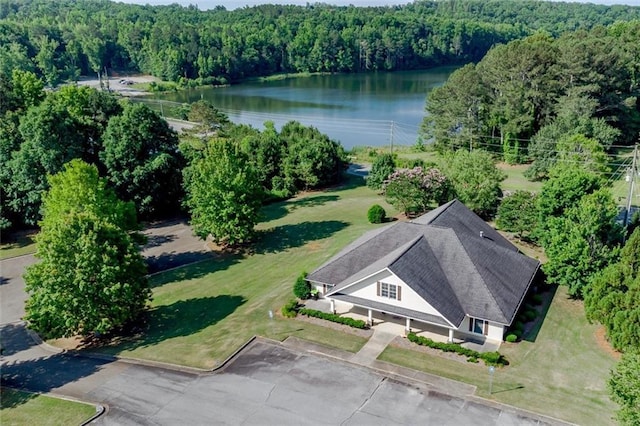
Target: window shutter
(486, 327)
(399, 293)
(378, 292)
(470, 324)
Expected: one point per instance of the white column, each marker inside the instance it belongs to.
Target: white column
(370, 316)
(407, 327)
(333, 306)
(450, 335)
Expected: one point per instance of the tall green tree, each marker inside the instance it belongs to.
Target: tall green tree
(518, 213)
(142, 160)
(624, 386)
(613, 298)
(383, 166)
(582, 242)
(311, 160)
(223, 194)
(91, 277)
(567, 184)
(476, 180)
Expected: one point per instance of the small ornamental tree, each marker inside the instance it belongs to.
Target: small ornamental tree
(412, 191)
(382, 167)
(91, 277)
(376, 214)
(302, 288)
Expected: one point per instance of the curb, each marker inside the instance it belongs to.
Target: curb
(135, 361)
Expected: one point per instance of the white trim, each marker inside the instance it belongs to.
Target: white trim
(360, 280)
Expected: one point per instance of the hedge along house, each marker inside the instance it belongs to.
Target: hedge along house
(447, 268)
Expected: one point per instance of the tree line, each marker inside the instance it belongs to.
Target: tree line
(543, 99)
(65, 39)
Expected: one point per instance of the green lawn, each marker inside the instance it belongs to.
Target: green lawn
(203, 313)
(562, 374)
(17, 245)
(24, 408)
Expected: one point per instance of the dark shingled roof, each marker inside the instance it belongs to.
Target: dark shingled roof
(444, 258)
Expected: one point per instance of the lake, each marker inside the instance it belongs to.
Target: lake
(356, 109)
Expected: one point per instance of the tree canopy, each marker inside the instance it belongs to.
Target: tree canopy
(613, 298)
(142, 160)
(624, 385)
(91, 277)
(223, 194)
(476, 180)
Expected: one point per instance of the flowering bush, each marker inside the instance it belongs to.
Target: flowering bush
(413, 190)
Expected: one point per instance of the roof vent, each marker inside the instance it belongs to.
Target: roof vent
(481, 234)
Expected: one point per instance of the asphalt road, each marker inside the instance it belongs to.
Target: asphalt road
(266, 384)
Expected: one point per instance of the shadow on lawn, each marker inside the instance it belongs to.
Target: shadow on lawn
(182, 318)
(279, 210)
(165, 261)
(549, 294)
(216, 262)
(284, 237)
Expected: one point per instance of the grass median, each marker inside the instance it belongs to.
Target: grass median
(25, 408)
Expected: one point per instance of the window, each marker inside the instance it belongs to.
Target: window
(478, 326)
(391, 291)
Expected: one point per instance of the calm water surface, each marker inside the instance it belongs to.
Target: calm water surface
(355, 109)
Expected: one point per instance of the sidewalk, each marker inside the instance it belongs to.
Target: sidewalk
(373, 348)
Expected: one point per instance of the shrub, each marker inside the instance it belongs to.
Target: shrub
(302, 288)
(511, 338)
(472, 359)
(290, 310)
(493, 358)
(490, 358)
(518, 333)
(530, 314)
(536, 299)
(376, 214)
(518, 326)
(333, 318)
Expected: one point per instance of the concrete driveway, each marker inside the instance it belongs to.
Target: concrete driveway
(266, 384)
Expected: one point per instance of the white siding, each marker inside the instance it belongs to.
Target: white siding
(367, 289)
(495, 331)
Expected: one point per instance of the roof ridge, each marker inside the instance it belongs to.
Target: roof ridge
(475, 268)
(443, 208)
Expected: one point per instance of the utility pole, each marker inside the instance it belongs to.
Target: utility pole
(393, 123)
(632, 179)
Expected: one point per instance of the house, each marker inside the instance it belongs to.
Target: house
(447, 268)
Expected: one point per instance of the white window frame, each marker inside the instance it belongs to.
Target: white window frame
(389, 290)
(478, 323)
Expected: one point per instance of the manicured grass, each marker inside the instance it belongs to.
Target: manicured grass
(515, 178)
(204, 312)
(24, 408)
(18, 245)
(562, 373)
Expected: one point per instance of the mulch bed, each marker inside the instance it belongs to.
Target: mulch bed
(335, 326)
(404, 343)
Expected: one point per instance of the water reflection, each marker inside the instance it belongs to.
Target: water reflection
(355, 109)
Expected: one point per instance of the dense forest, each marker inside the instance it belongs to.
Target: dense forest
(65, 39)
(542, 99)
